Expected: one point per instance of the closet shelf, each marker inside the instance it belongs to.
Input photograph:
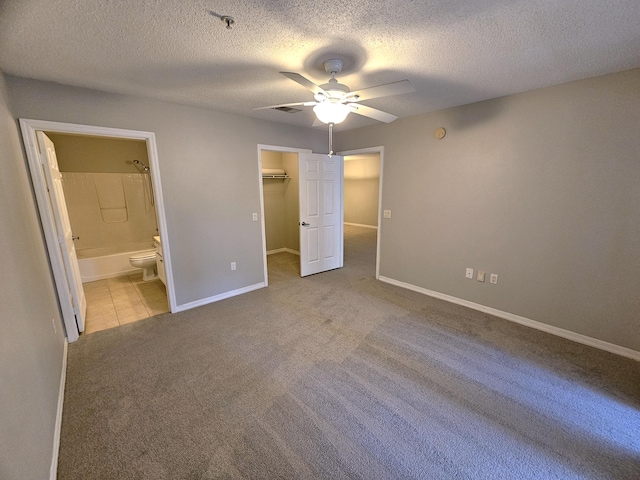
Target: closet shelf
(275, 176)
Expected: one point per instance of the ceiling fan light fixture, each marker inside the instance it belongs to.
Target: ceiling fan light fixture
(331, 112)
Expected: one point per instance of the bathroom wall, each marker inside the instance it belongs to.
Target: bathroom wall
(361, 189)
(86, 153)
(109, 200)
(110, 212)
(281, 202)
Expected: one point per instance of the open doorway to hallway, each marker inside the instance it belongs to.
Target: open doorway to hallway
(362, 187)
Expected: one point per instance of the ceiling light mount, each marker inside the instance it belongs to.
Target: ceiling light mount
(229, 21)
(333, 66)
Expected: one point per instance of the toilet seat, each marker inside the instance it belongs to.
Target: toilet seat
(144, 256)
(147, 262)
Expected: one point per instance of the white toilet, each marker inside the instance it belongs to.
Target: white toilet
(147, 262)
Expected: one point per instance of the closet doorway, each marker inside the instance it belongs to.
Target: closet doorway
(280, 209)
(362, 191)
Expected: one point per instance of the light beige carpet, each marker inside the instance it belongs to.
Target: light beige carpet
(340, 376)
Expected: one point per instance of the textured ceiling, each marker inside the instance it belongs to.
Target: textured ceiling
(453, 51)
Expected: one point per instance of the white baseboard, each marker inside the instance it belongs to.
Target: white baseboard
(560, 332)
(281, 250)
(361, 225)
(217, 298)
(53, 471)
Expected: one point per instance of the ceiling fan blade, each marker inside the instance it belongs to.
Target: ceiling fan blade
(386, 90)
(372, 113)
(296, 104)
(308, 84)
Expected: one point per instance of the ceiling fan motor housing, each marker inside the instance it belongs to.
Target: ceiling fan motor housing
(333, 88)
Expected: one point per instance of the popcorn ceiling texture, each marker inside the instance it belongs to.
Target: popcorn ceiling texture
(453, 51)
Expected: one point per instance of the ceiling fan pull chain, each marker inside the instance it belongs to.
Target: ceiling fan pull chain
(331, 139)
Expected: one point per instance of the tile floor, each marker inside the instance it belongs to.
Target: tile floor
(120, 300)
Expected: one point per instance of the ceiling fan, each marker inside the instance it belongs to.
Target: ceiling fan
(334, 101)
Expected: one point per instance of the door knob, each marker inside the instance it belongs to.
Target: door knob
(305, 224)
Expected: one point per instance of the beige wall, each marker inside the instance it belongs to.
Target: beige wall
(281, 202)
(83, 153)
(31, 353)
(274, 203)
(110, 212)
(208, 172)
(361, 189)
(98, 175)
(292, 200)
(541, 188)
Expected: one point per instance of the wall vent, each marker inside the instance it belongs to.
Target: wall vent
(288, 109)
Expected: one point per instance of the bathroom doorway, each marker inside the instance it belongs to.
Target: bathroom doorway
(109, 198)
(121, 196)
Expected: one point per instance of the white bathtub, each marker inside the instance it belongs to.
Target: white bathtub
(108, 266)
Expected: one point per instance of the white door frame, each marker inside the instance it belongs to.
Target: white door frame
(269, 148)
(29, 128)
(380, 151)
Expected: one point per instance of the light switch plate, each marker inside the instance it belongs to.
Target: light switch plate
(480, 276)
(386, 213)
(493, 278)
(255, 217)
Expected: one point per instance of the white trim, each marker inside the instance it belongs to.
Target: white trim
(361, 225)
(270, 148)
(217, 298)
(557, 331)
(380, 151)
(29, 128)
(53, 470)
(281, 250)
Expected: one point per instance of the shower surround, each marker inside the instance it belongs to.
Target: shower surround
(113, 215)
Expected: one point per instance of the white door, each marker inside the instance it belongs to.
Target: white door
(71, 290)
(321, 241)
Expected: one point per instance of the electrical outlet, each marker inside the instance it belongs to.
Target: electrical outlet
(386, 213)
(480, 276)
(493, 278)
(255, 217)
(469, 273)
(233, 265)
